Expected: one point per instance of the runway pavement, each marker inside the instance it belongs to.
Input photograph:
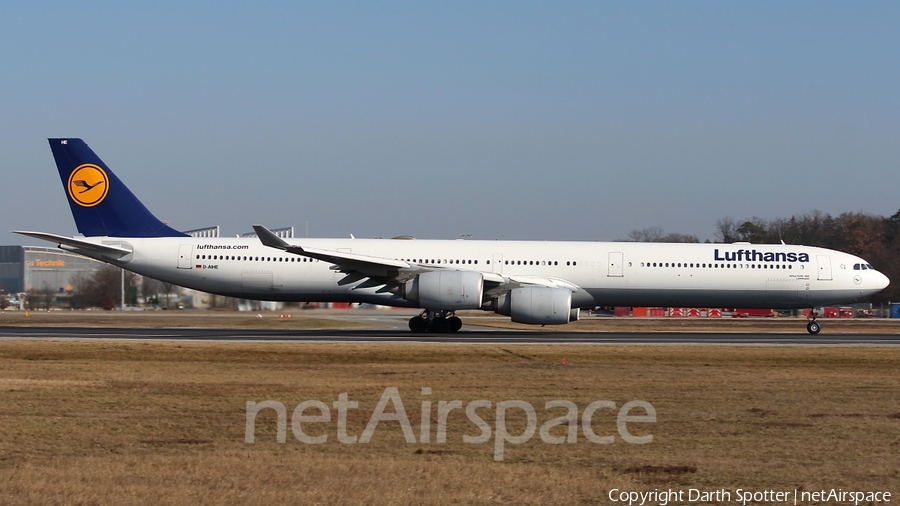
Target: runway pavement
(465, 336)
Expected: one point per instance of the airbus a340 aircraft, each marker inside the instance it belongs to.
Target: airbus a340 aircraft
(532, 282)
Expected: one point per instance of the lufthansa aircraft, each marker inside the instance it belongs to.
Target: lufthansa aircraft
(539, 283)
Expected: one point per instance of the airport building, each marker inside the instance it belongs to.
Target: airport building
(26, 268)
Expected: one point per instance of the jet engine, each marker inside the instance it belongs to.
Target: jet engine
(446, 290)
(537, 305)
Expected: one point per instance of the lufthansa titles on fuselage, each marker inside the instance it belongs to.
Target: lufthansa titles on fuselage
(752, 255)
(222, 246)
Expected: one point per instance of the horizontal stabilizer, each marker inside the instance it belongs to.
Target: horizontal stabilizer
(72, 242)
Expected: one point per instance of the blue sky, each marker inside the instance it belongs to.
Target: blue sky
(504, 120)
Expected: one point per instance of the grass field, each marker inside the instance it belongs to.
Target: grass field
(126, 422)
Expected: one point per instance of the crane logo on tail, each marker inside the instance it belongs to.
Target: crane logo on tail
(88, 185)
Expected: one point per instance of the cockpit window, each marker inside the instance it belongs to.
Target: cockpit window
(857, 267)
(870, 267)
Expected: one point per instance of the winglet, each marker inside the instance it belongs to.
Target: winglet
(268, 238)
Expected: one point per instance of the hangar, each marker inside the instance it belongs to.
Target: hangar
(26, 268)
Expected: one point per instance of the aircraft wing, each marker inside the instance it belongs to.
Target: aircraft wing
(388, 271)
(347, 262)
(76, 244)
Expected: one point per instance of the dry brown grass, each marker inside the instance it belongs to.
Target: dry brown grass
(252, 477)
(123, 422)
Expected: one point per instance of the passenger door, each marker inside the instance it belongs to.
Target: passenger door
(497, 263)
(184, 256)
(824, 262)
(616, 269)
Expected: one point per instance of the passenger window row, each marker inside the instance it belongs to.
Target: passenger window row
(427, 261)
(716, 266)
(531, 262)
(255, 259)
(414, 260)
(475, 262)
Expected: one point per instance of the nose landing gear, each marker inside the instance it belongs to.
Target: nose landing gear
(812, 326)
(437, 321)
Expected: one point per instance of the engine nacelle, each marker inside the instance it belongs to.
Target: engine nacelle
(446, 290)
(537, 305)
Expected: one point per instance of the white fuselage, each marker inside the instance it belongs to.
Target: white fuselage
(606, 274)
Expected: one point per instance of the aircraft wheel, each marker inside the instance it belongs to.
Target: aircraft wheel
(454, 324)
(418, 324)
(440, 326)
(813, 327)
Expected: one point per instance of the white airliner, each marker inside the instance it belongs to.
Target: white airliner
(532, 282)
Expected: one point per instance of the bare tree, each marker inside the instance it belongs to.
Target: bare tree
(726, 230)
(651, 234)
(106, 287)
(131, 288)
(168, 287)
(656, 234)
(82, 287)
(674, 237)
(31, 297)
(150, 289)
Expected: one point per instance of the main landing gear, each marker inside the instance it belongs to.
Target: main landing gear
(438, 321)
(812, 326)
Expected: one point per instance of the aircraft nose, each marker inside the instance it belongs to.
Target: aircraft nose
(882, 282)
